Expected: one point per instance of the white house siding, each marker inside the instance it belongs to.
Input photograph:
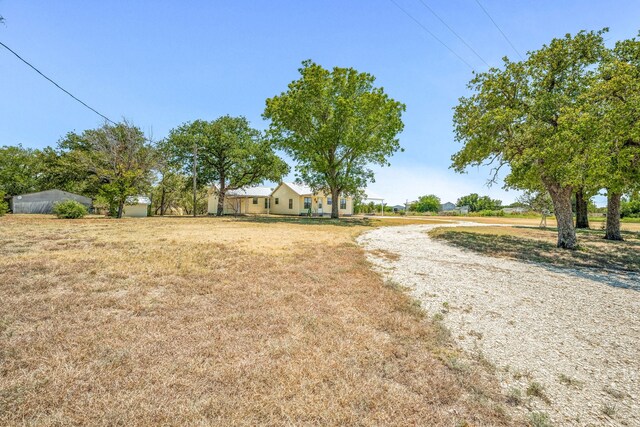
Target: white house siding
(135, 211)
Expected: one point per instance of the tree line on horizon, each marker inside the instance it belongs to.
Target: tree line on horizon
(565, 121)
(333, 123)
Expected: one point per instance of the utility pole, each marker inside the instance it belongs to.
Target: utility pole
(195, 177)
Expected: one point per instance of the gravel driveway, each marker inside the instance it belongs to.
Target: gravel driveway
(572, 341)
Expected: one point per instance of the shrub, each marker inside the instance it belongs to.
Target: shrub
(539, 419)
(69, 209)
(4, 207)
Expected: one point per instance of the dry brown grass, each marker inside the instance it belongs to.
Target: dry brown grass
(178, 321)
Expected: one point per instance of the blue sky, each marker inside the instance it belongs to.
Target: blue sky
(162, 63)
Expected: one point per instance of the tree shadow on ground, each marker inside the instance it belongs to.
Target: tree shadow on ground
(614, 263)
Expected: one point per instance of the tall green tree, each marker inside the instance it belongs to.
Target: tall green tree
(65, 167)
(478, 203)
(613, 112)
(515, 116)
(230, 153)
(20, 169)
(430, 203)
(335, 124)
(122, 158)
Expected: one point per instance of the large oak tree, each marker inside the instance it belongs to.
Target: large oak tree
(612, 113)
(335, 124)
(516, 117)
(229, 153)
(122, 158)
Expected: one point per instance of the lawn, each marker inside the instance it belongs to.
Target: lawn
(208, 321)
(539, 245)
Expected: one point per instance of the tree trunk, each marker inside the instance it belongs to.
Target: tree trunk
(612, 231)
(162, 201)
(335, 203)
(561, 197)
(582, 210)
(221, 193)
(120, 209)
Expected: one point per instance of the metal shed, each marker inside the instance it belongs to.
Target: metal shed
(42, 202)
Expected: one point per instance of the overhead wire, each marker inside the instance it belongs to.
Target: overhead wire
(499, 29)
(431, 34)
(56, 84)
(454, 32)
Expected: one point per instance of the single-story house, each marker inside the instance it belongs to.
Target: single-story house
(42, 202)
(136, 207)
(447, 207)
(287, 199)
(297, 199)
(462, 209)
(249, 200)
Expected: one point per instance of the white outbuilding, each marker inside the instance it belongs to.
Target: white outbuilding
(136, 207)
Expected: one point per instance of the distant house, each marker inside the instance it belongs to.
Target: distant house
(287, 199)
(447, 207)
(462, 209)
(296, 199)
(136, 207)
(398, 208)
(42, 202)
(249, 200)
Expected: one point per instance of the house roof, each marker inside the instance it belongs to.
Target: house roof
(138, 200)
(371, 196)
(54, 193)
(301, 189)
(250, 192)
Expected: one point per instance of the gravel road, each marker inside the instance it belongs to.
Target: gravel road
(568, 336)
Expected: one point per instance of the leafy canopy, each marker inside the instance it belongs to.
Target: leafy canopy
(430, 203)
(122, 159)
(19, 170)
(478, 203)
(230, 153)
(610, 113)
(516, 114)
(334, 124)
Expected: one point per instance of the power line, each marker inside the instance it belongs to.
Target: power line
(454, 33)
(56, 84)
(431, 34)
(501, 32)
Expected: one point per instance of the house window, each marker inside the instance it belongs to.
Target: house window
(307, 202)
(290, 203)
(255, 200)
(328, 201)
(266, 203)
(343, 203)
(277, 201)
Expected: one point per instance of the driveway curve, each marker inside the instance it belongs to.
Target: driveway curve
(563, 344)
